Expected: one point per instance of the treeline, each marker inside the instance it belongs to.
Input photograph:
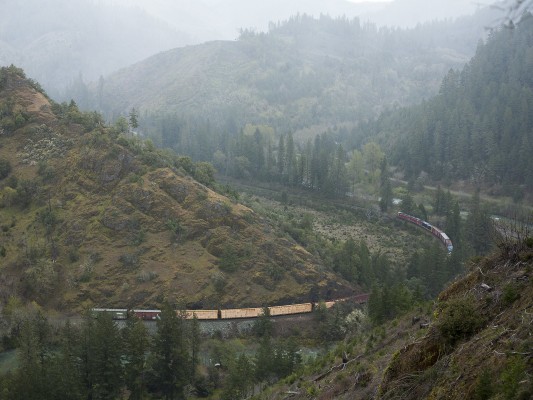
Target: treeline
(97, 360)
(257, 153)
(479, 127)
(305, 72)
(394, 288)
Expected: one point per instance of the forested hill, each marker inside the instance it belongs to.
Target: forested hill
(91, 217)
(304, 72)
(480, 126)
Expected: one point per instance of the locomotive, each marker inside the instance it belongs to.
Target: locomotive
(445, 240)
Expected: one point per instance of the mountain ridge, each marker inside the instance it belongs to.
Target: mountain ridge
(92, 217)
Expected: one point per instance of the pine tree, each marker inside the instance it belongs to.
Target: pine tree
(133, 119)
(479, 229)
(107, 364)
(136, 346)
(169, 355)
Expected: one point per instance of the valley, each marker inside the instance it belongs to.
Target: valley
(327, 208)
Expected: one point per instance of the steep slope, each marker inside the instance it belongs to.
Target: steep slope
(304, 72)
(480, 343)
(474, 343)
(90, 217)
(479, 128)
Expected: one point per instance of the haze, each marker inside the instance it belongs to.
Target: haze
(58, 41)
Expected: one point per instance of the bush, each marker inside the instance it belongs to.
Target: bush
(510, 294)
(483, 389)
(514, 373)
(5, 168)
(129, 260)
(27, 189)
(459, 320)
(229, 260)
(46, 172)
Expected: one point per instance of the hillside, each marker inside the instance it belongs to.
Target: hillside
(478, 129)
(475, 343)
(92, 217)
(304, 72)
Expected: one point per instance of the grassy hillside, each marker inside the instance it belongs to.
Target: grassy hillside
(474, 343)
(91, 217)
(304, 72)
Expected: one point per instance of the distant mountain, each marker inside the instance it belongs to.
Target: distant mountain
(61, 41)
(90, 217)
(57, 41)
(304, 72)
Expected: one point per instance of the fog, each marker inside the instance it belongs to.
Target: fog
(221, 19)
(60, 41)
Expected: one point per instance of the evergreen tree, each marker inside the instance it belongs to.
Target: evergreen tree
(133, 119)
(263, 325)
(65, 369)
(107, 365)
(240, 379)
(136, 346)
(169, 355)
(195, 341)
(479, 230)
(385, 186)
(282, 157)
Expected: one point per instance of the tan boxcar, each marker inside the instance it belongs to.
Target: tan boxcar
(202, 314)
(241, 313)
(291, 309)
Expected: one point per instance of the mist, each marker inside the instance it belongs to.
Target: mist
(59, 42)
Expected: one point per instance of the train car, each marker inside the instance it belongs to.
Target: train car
(443, 238)
(361, 298)
(202, 314)
(291, 309)
(116, 313)
(147, 315)
(446, 241)
(426, 225)
(234, 313)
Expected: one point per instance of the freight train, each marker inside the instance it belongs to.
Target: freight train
(445, 240)
(230, 313)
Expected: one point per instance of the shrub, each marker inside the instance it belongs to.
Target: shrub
(483, 389)
(12, 182)
(5, 168)
(275, 272)
(129, 260)
(146, 276)
(219, 281)
(138, 237)
(27, 189)
(512, 376)
(177, 231)
(229, 260)
(510, 294)
(459, 320)
(46, 172)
